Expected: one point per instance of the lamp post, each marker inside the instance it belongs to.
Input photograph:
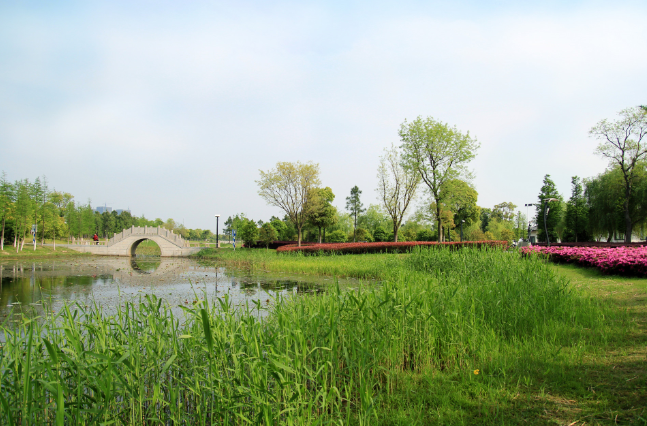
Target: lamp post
(217, 240)
(528, 218)
(462, 222)
(546, 209)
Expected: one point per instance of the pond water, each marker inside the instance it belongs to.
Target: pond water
(46, 285)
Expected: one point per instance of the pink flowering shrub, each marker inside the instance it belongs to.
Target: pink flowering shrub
(617, 260)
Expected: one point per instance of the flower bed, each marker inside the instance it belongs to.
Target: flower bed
(357, 248)
(617, 260)
(594, 244)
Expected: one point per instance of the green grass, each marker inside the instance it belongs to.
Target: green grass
(367, 266)
(550, 344)
(148, 248)
(9, 253)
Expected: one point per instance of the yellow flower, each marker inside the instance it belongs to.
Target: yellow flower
(477, 371)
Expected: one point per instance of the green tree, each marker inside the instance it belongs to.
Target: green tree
(249, 233)
(321, 214)
(624, 144)
(397, 187)
(268, 234)
(355, 207)
(6, 203)
(23, 212)
(288, 187)
(504, 211)
(554, 214)
(380, 234)
(460, 198)
(438, 153)
(577, 213)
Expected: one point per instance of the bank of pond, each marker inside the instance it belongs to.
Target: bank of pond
(435, 336)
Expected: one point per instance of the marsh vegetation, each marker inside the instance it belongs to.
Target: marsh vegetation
(445, 337)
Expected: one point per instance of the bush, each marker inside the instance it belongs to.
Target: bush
(426, 235)
(380, 234)
(337, 236)
(362, 234)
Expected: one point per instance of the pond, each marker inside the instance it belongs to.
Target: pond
(40, 286)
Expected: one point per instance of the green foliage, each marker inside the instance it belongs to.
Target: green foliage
(460, 197)
(363, 235)
(337, 236)
(554, 216)
(380, 234)
(248, 232)
(268, 234)
(354, 206)
(351, 351)
(426, 235)
(321, 214)
(577, 213)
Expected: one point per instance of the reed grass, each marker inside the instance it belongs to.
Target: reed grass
(340, 357)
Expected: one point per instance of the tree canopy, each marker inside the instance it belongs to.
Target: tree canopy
(438, 153)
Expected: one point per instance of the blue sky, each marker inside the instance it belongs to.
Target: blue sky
(171, 108)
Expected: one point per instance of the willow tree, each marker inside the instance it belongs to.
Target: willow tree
(438, 153)
(624, 143)
(288, 187)
(397, 187)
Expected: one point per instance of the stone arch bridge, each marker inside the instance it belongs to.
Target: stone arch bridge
(125, 243)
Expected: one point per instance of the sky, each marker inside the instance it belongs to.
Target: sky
(171, 108)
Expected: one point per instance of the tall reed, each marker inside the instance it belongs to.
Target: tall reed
(321, 359)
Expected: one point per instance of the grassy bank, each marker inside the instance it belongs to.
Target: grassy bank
(368, 266)
(468, 337)
(9, 253)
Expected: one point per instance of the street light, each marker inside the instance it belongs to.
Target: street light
(546, 209)
(462, 222)
(528, 217)
(217, 240)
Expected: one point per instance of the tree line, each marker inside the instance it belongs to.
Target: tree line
(28, 206)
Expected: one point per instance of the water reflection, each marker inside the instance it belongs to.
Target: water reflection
(44, 286)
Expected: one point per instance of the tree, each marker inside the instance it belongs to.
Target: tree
(249, 233)
(624, 143)
(288, 187)
(397, 186)
(268, 234)
(438, 153)
(553, 219)
(504, 211)
(337, 236)
(354, 206)
(460, 198)
(321, 214)
(6, 202)
(576, 213)
(605, 201)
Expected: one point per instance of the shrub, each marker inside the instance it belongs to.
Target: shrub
(426, 235)
(362, 234)
(380, 234)
(337, 236)
(617, 260)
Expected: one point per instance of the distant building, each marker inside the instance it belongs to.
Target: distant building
(106, 209)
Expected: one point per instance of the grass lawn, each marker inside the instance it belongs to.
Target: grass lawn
(28, 251)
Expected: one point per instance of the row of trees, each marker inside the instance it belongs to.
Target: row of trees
(614, 203)
(27, 206)
(431, 152)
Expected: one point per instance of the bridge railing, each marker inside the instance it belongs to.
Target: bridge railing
(148, 230)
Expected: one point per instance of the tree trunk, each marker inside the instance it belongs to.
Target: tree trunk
(320, 235)
(440, 227)
(355, 227)
(324, 234)
(628, 227)
(299, 237)
(395, 232)
(2, 238)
